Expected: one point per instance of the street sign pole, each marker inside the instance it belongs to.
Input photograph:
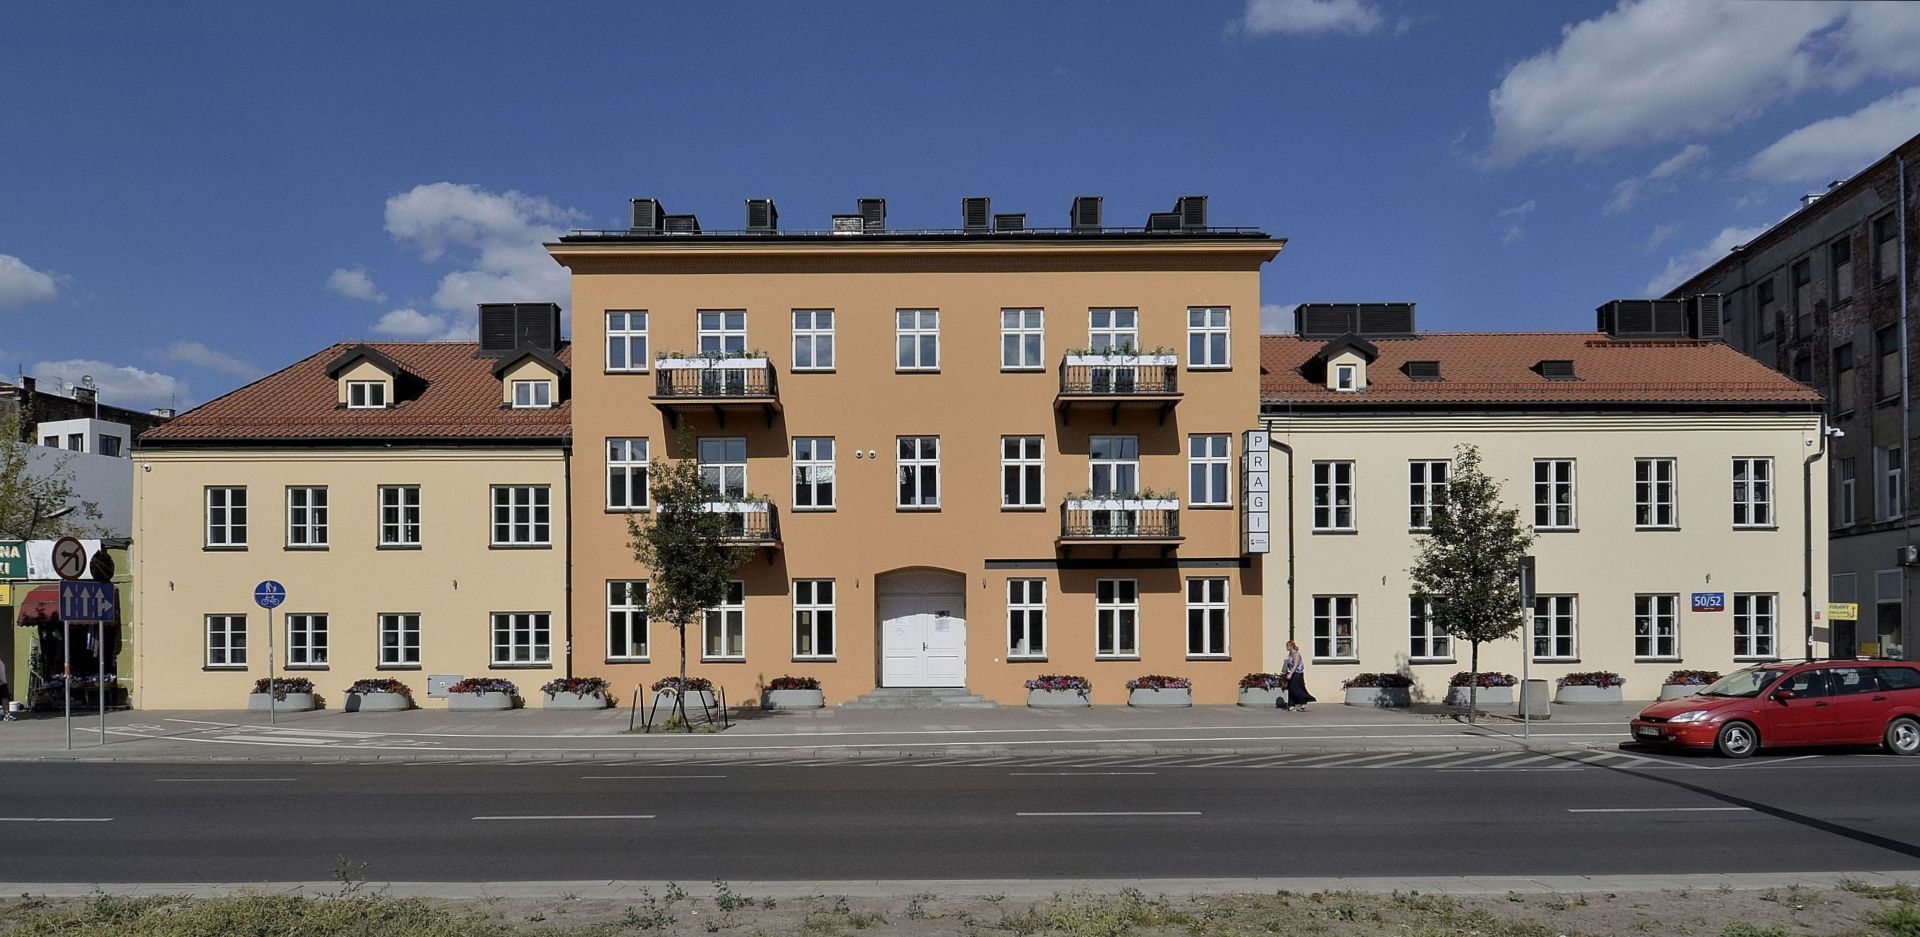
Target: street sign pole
(268, 595)
(66, 674)
(100, 687)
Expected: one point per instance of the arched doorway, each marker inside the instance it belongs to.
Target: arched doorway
(923, 628)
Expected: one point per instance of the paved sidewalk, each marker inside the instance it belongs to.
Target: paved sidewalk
(534, 735)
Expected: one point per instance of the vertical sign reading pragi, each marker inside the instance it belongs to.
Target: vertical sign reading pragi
(1256, 492)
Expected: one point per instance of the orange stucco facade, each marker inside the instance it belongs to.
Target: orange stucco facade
(962, 553)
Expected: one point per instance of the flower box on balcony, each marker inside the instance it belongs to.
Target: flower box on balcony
(1122, 360)
(735, 507)
(1123, 504)
(703, 364)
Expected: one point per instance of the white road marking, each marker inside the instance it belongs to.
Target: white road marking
(1112, 813)
(650, 777)
(1659, 809)
(611, 816)
(217, 780)
(1080, 774)
(56, 819)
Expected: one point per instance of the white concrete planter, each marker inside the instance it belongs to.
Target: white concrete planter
(698, 701)
(1058, 699)
(1160, 699)
(479, 702)
(793, 699)
(1577, 695)
(377, 703)
(1262, 699)
(1122, 361)
(290, 703)
(1489, 696)
(574, 701)
(709, 364)
(1678, 690)
(1380, 697)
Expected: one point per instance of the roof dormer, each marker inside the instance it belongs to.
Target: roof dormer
(1344, 363)
(366, 379)
(531, 379)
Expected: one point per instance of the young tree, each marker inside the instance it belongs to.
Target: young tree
(691, 551)
(37, 500)
(1469, 563)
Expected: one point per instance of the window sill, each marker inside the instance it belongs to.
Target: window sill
(1036, 369)
(1336, 531)
(1209, 506)
(227, 548)
(216, 668)
(397, 667)
(1115, 657)
(1756, 527)
(1556, 660)
(1656, 660)
(520, 546)
(1026, 660)
(829, 509)
(1556, 530)
(1757, 660)
(916, 370)
(811, 370)
(1213, 657)
(815, 660)
(1334, 660)
(624, 371)
(1651, 528)
(547, 665)
(306, 668)
(628, 660)
(638, 510)
(724, 660)
(1433, 660)
(1209, 367)
(1887, 401)
(1023, 508)
(917, 509)
(306, 548)
(397, 546)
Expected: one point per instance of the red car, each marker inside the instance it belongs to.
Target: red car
(1821, 702)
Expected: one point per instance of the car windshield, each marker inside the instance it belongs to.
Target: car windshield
(1748, 682)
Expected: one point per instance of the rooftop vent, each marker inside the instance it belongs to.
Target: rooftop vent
(1807, 200)
(1086, 213)
(1421, 370)
(1556, 369)
(165, 413)
(848, 224)
(1012, 221)
(1644, 318)
(976, 212)
(681, 224)
(509, 327)
(1704, 311)
(1163, 221)
(873, 214)
(1332, 320)
(762, 216)
(1192, 210)
(647, 214)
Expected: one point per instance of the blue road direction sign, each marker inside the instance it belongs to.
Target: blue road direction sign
(86, 601)
(269, 594)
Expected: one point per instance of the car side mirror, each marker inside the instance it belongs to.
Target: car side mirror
(1782, 696)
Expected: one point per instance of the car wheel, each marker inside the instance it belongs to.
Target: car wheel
(1736, 740)
(1903, 736)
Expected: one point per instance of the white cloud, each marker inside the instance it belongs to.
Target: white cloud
(1277, 318)
(1655, 70)
(1629, 190)
(354, 284)
(1838, 147)
(410, 323)
(200, 355)
(1514, 230)
(1307, 17)
(495, 237)
(1661, 234)
(1692, 262)
(21, 284)
(119, 385)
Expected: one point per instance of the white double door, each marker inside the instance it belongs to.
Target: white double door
(923, 641)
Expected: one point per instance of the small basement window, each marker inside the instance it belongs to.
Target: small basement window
(1422, 370)
(532, 394)
(366, 395)
(1346, 378)
(1556, 369)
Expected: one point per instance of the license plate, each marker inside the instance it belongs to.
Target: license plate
(1648, 731)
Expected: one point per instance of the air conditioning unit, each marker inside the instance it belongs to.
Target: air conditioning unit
(849, 224)
(976, 213)
(1908, 555)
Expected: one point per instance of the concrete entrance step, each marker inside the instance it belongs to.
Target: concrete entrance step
(920, 698)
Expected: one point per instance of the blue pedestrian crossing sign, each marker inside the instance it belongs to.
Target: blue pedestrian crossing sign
(87, 601)
(269, 594)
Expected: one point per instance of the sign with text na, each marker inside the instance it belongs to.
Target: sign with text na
(13, 559)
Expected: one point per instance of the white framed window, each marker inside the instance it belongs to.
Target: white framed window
(813, 619)
(1889, 492)
(1207, 337)
(1113, 464)
(532, 395)
(399, 515)
(307, 641)
(1425, 641)
(813, 339)
(813, 473)
(1026, 619)
(1755, 626)
(1346, 378)
(366, 395)
(723, 464)
(1556, 634)
(724, 629)
(1208, 476)
(1656, 627)
(399, 639)
(627, 473)
(227, 641)
(918, 339)
(1113, 330)
(1333, 496)
(627, 340)
(1753, 492)
(1553, 494)
(1207, 617)
(522, 516)
(1022, 339)
(1845, 492)
(226, 517)
(1655, 493)
(1333, 624)
(1426, 490)
(1116, 620)
(919, 471)
(627, 620)
(306, 517)
(722, 332)
(1022, 471)
(522, 639)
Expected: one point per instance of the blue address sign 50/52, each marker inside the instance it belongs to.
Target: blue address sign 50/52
(1709, 601)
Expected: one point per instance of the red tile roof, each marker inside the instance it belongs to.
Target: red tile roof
(460, 400)
(1496, 368)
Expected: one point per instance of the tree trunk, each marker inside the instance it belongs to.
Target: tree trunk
(1473, 685)
(680, 698)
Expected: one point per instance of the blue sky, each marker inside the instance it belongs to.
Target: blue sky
(191, 195)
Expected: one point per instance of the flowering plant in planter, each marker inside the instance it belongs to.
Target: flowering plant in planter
(1693, 677)
(581, 685)
(281, 686)
(1595, 678)
(793, 683)
(363, 687)
(1154, 681)
(1059, 682)
(479, 685)
(1263, 681)
(1465, 678)
(1384, 681)
(694, 685)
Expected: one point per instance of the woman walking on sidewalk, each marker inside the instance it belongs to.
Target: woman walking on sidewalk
(1295, 672)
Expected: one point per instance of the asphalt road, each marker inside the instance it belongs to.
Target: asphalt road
(427, 822)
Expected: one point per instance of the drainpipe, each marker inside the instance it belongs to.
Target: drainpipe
(566, 476)
(1292, 612)
(1906, 416)
(1806, 533)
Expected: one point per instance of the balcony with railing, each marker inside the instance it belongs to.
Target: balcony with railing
(1120, 520)
(717, 384)
(752, 523)
(1114, 382)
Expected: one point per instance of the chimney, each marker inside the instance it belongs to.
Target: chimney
(873, 215)
(647, 214)
(762, 217)
(1086, 213)
(976, 213)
